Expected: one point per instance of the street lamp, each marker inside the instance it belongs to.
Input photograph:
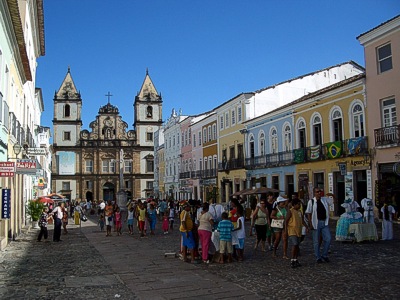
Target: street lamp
(17, 149)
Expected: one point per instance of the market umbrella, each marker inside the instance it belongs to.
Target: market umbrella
(261, 190)
(45, 200)
(239, 193)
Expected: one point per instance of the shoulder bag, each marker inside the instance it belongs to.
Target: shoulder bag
(277, 223)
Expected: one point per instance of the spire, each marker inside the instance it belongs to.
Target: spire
(67, 88)
(148, 90)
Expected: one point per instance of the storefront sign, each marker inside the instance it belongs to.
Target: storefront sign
(26, 166)
(36, 151)
(7, 169)
(362, 162)
(342, 168)
(5, 203)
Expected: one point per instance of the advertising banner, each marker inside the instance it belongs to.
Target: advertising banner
(66, 163)
(7, 169)
(5, 203)
(26, 166)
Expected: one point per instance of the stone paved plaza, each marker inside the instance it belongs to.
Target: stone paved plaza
(89, 265)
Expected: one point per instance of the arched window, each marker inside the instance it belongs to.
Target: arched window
(317, 130)
(262, 144)
(337, 125)
(301, 134)
(67, 110)
(357, 114)
(251, 146)
(273, 140)
(287, 137)
(149, 112)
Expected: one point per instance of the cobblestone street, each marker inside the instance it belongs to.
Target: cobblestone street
(89, 265)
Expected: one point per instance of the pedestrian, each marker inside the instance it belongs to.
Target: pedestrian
(241, 233)
(108, 215)
(261, 220)
(279, 213)
(270, 206)
(388, 213)
(130, 219)
(118, 221)
(152, 217)
(44, 218)
(165, 224)
(188, 242)
(225, 228)
(293, 226)
(65, 219)
(318, 219)
(101, 222)
(141, 216)
(205, 230)
(162, 207)
(171, 218)
(57, 216)
(253, 206)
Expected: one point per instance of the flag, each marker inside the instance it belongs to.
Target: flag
(298, 156)
(334, 149)
(355, 145)
(314, 152)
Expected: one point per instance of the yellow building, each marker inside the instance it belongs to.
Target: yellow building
(231, 172)
(332, 151)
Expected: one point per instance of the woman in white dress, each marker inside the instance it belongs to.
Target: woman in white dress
(387, 221)
(350, 216)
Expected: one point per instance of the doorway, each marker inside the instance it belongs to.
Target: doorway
(340, 192)
(108, 191)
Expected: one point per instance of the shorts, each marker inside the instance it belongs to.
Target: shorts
(294, 240)
(130, 222)
(225, 246)
(109, 222)
(240, 245)
(188, 240)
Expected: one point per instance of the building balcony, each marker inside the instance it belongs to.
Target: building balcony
(199, 174)
(232, 164)
(348, 148)
(387, 136)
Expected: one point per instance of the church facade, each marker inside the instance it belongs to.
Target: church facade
(109, 158)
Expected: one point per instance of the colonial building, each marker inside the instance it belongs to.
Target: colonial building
(382, 63)
(109, 158)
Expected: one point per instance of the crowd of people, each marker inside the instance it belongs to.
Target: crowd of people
(212, 232)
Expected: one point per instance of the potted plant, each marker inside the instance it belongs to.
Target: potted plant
(34, 209)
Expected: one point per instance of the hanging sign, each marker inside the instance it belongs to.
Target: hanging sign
(7, 169)
(5, 203)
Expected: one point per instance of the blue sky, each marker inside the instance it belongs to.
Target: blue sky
(199, 53)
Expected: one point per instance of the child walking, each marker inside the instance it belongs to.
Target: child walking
(294, 223)
(241, 233)
(171, 218)
(101, 222)
(118, 222)
(225, 228)
(130, 219)
(165, 224)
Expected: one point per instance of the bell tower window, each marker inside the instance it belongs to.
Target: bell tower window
(149, 112)
(67, 110)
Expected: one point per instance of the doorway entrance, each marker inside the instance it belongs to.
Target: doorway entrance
(108, 191)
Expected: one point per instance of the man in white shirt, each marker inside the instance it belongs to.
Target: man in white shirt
(57, 216)
(318, 217)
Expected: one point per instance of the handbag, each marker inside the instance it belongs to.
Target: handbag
(277, 223)
(83, 218)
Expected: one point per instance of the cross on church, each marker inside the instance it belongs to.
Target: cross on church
(108, 95)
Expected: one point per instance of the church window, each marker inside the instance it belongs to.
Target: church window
(127, 166)
(89, 166)
(149, 165)
(149, 136)
(67, 110)
(67, 135)
(149, 112)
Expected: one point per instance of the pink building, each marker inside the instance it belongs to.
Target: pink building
(382, 64)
